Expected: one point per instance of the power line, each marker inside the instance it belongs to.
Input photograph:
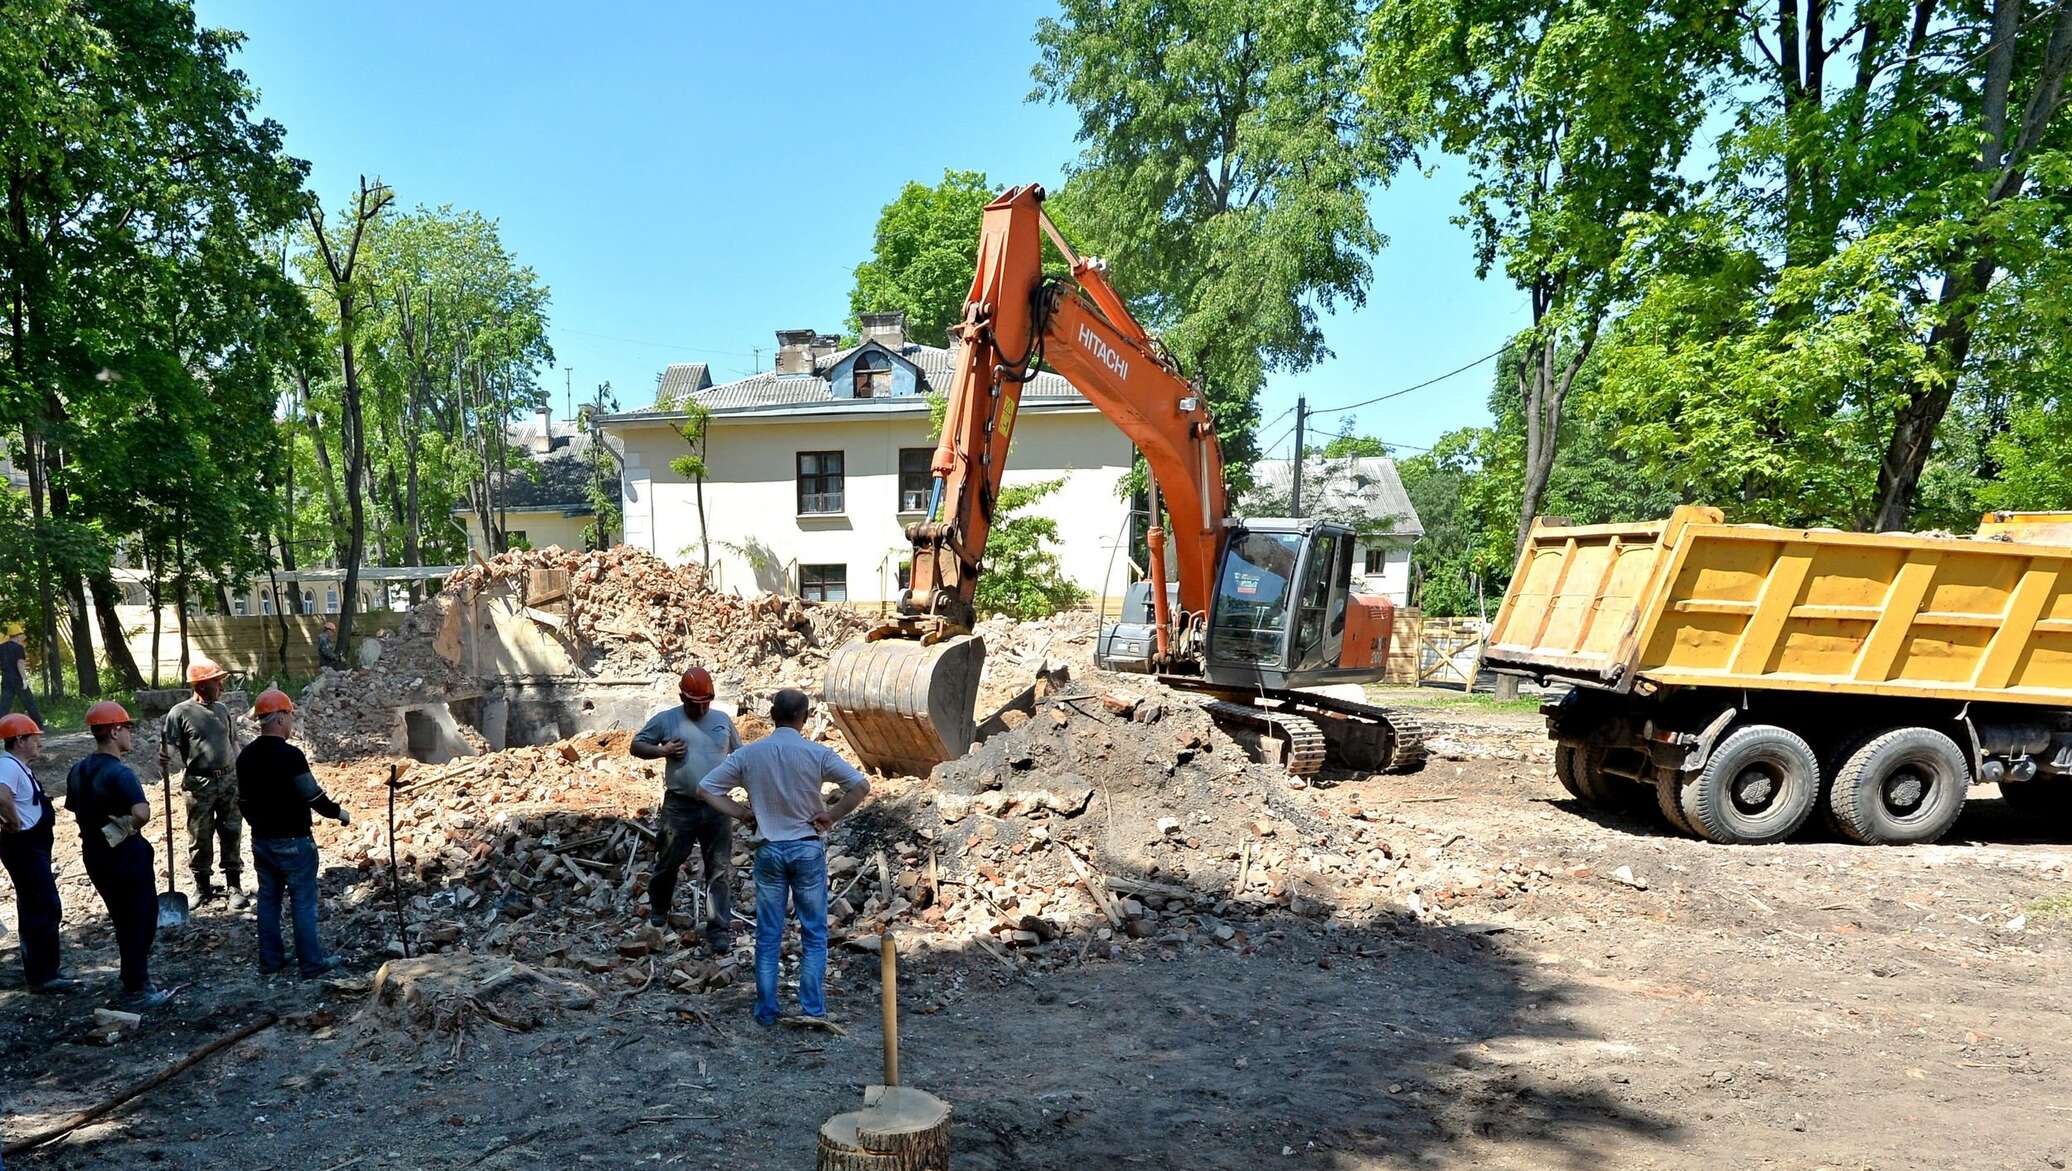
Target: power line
(1463, 369)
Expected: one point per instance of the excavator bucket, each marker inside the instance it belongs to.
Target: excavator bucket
(905, 706)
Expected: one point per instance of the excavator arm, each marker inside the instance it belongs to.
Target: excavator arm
(904, 697)
(1014, 319)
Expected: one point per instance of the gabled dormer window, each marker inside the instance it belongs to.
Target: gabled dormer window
(871, 375)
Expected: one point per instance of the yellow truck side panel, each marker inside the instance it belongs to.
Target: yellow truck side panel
(1693, 602)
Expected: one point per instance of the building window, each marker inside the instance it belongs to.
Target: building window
(905, 576)
(824, 583)
(240, 605)
(1376, 558)
(872, 375)
(915, 478)
(820, 482)
(266, 603)
(330, 599)
(309, 601)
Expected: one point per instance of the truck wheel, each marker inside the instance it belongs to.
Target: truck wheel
(1668, 791)
(1582, 773)
(1902, 788)
(1565, 769)
(1759, 785)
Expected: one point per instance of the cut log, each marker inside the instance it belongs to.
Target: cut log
(898, 1129)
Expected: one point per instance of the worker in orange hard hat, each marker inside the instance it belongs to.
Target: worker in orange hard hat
(200, 736)
(276, 791)
(108, 799)
(692, 739)
(327, 648)
(26, 821)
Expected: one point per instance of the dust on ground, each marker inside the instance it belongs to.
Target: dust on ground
(1457, 968)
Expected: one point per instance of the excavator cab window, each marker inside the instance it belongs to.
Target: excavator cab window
(1249, 623)
(1320, 623)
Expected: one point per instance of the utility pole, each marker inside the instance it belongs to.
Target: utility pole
(1301, 429)
(568, 393)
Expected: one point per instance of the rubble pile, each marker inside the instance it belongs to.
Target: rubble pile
(628, 615)
(1016, 652)
(635, 614)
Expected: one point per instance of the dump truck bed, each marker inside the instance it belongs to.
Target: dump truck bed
(1693, 602)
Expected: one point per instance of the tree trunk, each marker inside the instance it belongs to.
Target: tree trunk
(180, 592)
(106, 597)
(83, 660)
(1543, 386)
(898, 1129)
(156, 590)
(332, 504)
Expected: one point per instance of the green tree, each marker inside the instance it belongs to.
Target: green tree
(607, 510)
(140, 188)
(1348, 442)
(1023, 576)
(1886, 201)
(1572, 117)
(923, 255)
(695, 432)
(1225, 169)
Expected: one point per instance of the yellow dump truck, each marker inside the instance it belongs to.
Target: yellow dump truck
(1743, 676)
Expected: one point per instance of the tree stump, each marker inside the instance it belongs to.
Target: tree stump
(898, 1129)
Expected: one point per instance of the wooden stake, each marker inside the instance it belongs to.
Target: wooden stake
(888, 993)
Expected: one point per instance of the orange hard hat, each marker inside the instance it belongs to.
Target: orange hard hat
(202, 670)
(695, 684)
(272, 700)
(107, 712)
(16, 724)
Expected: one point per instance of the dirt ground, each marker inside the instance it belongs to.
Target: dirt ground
(1799, 1006)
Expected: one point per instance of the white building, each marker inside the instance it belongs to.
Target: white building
(814, 469)
(1363, 492)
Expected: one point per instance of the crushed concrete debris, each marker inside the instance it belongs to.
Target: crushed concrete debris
(605, 617)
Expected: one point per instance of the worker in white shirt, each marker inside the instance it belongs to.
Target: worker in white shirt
(26, 822)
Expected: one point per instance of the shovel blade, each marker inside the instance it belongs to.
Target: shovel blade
(172, 909)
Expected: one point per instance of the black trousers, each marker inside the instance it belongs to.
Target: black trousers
(123, 876)
(27, 858)
(687, 823)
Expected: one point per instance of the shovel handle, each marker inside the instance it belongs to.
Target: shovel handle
(165, 778)
(888, 976)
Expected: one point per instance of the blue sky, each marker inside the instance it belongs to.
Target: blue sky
(687, 179)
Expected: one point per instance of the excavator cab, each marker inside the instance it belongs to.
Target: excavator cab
(1280, 613)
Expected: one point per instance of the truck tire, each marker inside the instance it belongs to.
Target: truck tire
(1565, 770)
(1759, 785)
(1668, 799)
(1581, 770)
(1904, 787)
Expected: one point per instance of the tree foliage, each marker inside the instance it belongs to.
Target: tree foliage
(922, 256)
(1225, 168)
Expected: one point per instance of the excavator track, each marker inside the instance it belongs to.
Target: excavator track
(1306, 748)
(1358, 737)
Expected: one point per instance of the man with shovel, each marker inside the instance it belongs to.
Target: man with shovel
(108, 799)
(200, 735)
(277, 792)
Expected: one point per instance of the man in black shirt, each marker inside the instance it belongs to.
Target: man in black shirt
(108, 799)
(276, 791)
(14, 680)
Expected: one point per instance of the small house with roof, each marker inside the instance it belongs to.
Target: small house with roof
(815, 466)
(545, 498)
(1361, 492)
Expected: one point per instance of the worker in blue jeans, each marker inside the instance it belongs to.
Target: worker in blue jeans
(277, 792)
(782, 774)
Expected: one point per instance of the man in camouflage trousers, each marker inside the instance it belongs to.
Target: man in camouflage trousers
(200, 738)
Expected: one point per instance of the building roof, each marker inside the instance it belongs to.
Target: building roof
(1352, 487)
(557, 479)
(764, 391)
(679, 380)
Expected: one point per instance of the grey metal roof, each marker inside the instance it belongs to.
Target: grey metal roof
(681, 379)
(556, 478)
(771, 389)
(1353, 486)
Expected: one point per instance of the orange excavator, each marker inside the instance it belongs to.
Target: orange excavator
(1262, 609)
